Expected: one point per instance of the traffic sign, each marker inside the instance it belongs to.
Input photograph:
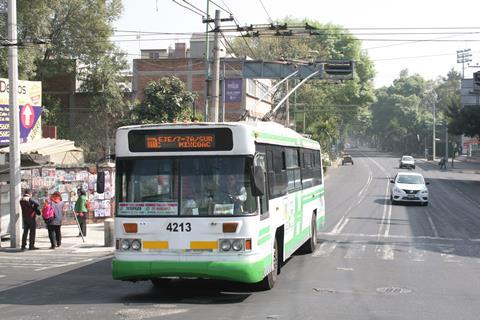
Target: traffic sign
(27, 116)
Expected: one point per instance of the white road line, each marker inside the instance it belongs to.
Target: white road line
(325, 249)
(416, 254)
(340, 225)
(356, 251)
(385, 252)
(400, 237)
(389, 219)
(429, 217)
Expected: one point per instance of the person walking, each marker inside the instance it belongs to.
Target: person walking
(30, 209)
(81, 211)
(54, 225)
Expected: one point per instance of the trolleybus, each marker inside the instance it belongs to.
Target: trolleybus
(227, 201)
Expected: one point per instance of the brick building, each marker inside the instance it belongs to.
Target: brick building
(188, 64)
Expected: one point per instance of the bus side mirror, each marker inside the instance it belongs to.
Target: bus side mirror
(100, 181)
(258, 181)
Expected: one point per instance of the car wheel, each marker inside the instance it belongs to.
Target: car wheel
(392, 201)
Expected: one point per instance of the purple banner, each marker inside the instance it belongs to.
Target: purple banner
(233, 90)
(28, 119)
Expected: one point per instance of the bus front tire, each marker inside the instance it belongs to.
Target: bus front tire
(309, 246)
(269, 281)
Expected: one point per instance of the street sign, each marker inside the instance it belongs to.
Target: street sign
(27, 116)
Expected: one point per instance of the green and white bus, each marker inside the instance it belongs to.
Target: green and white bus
(228, 201)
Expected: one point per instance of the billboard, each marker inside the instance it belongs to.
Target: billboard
(30, 110)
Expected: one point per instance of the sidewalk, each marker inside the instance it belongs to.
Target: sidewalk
(461, 164)
(71, 242)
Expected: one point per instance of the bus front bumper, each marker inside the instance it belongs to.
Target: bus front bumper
(241, 271)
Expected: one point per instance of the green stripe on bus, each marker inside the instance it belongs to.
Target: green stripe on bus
(264, 239)
(264, 231)
(241, 271)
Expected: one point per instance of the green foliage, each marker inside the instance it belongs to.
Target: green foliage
(324, 121)
(165, 100)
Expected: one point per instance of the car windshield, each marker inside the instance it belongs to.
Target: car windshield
(407, 158)
(184, 186)
(410, 179)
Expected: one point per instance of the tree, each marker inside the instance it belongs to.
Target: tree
(165, 100)
(320, 98)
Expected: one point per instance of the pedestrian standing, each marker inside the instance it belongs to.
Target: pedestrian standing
(30, 209)
(54, 225)
(81, 211)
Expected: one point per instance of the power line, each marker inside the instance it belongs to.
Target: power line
(266, 11)
(181, 5)
(196, 8)
(220, 7)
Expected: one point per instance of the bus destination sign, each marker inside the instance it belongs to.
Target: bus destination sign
(180, 141)
(171, 140)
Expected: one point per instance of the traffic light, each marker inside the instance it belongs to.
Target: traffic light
(476, 78)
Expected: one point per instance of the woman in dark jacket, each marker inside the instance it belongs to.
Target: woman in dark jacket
(53, 226)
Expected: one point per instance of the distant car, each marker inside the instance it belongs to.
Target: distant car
(407, 162)
(347, 159)
(409, 187)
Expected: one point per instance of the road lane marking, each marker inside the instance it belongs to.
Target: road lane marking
(389, 219)
(356, 251)
(340, 225)
(400, 237)
(417, 255)
(325, 249)
(385, 252)
(429, 217)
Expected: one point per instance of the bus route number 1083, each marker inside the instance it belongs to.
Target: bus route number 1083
(179, 227)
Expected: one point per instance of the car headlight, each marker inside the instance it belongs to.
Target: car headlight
(237, 245)
(397, 190)
(125, 244)
(424, 191)
(225, 245)
(136, 245)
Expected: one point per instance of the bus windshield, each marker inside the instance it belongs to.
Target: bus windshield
(186, 186)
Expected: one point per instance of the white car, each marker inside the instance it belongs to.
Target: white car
(409, 187)
(407, 162)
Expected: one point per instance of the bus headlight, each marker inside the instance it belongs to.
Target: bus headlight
(136, 245)
(237, 245)
(125, 244)
(225, 245)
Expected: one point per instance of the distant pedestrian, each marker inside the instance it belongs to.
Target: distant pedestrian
(53, 225)
(443, 163)
(30, 209)
(81, 211)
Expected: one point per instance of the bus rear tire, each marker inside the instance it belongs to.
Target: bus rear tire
(269, 281)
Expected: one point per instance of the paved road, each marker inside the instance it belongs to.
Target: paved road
(374, 261)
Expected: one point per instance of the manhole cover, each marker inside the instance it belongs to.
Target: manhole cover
(393, 290)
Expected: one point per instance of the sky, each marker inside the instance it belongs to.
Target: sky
(422, 36)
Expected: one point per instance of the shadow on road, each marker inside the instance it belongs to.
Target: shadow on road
(93, 284)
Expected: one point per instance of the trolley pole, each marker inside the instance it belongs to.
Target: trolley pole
(14, 144)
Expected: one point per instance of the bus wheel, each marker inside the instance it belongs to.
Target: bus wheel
(160, 282)
(269, 281)
(309, 246)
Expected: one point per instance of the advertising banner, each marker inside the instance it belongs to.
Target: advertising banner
(30, 110)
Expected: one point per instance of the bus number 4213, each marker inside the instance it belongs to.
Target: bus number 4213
(179, 227)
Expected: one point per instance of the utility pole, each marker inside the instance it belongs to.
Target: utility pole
(207, 61)
(464, 56)
(446, 141)
(434, 124)
(14, 144)
(215, 70)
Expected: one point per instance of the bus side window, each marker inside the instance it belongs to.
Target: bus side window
(317, 171)
(260, 161)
